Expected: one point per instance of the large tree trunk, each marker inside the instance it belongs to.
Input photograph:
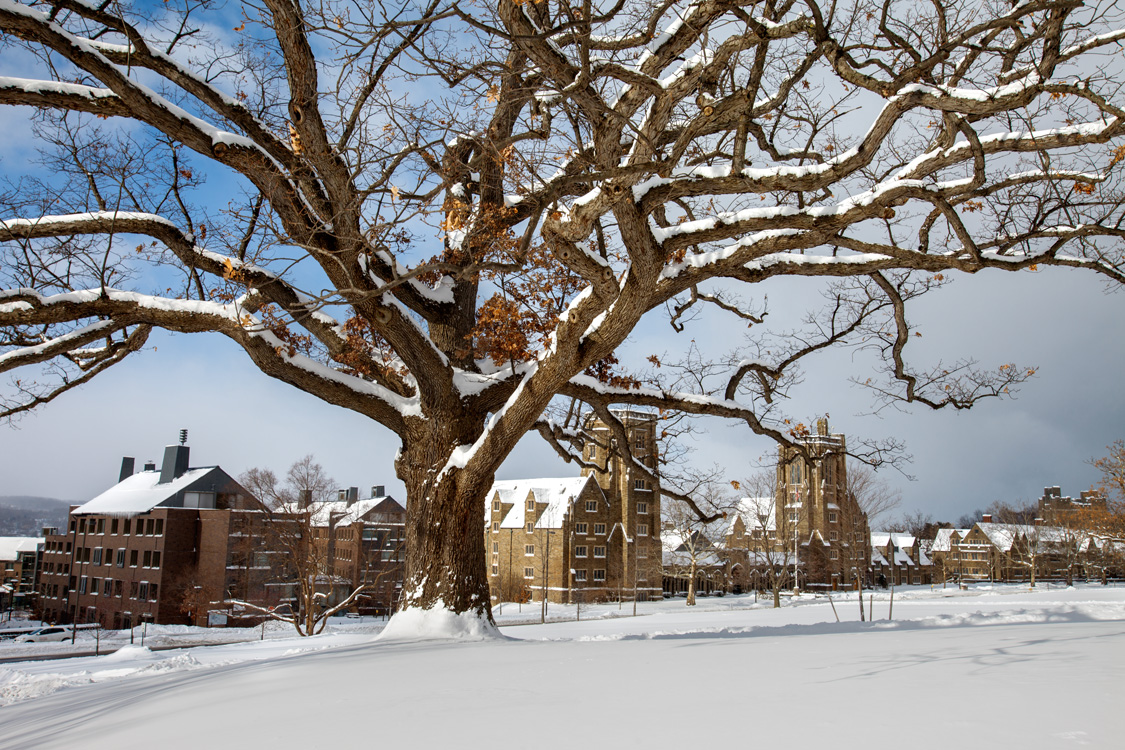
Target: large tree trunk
(445, 588)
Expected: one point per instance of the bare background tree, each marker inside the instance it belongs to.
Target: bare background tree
(295, 529)
(690, 540)
(458, 213)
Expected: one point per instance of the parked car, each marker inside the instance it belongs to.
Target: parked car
(43, 635)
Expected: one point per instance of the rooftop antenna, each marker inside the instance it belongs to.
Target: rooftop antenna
(183, 437)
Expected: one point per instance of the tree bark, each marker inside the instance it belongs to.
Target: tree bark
(445, 557)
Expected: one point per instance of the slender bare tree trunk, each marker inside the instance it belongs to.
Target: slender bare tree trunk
(691, 584)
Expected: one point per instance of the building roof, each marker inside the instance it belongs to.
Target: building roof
(881, 538)
(142, 492)
(12, 546)
(943, 540)
(557, 494)
(339, 513)
(754, 511)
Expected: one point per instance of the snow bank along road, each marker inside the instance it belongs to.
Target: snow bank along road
(999, 668)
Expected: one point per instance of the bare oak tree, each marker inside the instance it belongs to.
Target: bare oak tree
(449, 216)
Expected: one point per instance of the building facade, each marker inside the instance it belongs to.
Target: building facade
(580, 539)
(362, 544)
(818, 515)
(19, 570)
(162, 546)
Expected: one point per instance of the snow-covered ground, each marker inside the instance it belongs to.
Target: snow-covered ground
(991, 667)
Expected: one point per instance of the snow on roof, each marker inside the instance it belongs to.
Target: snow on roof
(339, 513)
(753, 511)
(557, 494)
(12, 546)
(140, 493)
(943, 540)
(882, 538)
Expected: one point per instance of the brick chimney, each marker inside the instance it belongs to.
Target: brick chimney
(986, 518)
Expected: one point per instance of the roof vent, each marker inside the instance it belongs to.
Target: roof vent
(175, 463)
(379, 490)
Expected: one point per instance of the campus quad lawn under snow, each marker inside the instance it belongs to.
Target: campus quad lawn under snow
(986, 668)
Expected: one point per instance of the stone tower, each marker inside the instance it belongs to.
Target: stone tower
(634, 501)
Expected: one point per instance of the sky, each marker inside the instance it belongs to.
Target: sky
(1060, 321)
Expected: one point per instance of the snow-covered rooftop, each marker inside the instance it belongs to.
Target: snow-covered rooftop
(943, 540)
(12, 546)
(557, 494)
(754, 511)
(140, 493)
(339, 513)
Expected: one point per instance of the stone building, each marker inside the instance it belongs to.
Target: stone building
(818, 515)
(162, 545)
(580, 539)
(1058, 510)
(899, 559)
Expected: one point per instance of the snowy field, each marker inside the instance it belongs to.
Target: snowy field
(986, 668)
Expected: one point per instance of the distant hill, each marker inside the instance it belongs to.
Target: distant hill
(26, 515)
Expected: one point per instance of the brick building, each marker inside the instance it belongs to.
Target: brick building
(361, 542)
(160, 546)
(19, 564)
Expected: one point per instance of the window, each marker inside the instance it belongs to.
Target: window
(97, 555)
(530, 526)
(831, 516)
(834, 554)
(121, 558)
(148, 559)
(581, 528)
(156, 559)
(94, 582)
(529, 572)
(113, 526)
(599, 574)
(495, 527)
(599, 551)
(640, 484)
(599, 529)
(142, 590)
(117, 588)
(580, 551)
(639, 441)
(793, 517)
(495, 570)
(159, 528)
(133, 558)
(101, 525)
(152, 591)
(126, 526)
(531, 505)
(496, 548)
(107, 587)
(133, 589)
(642, 575)
(529, 549)
(642, 551)
(580, 575)
(916, 580)
(150, 527)
(591, 506)
(642, 507)
(642, 529)
(832, 536)
(495, 506)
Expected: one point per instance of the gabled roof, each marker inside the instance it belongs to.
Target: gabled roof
(12, 546)
(943, 539)
(882, 538)
(556, 494)
(339, 513)
(753, 511)
(142, 492)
